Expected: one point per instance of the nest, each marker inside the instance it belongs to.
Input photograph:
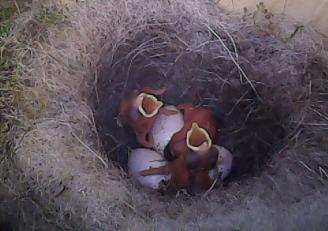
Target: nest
(265, 83)
(196, 68)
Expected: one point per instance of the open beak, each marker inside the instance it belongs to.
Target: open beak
(198, 139)
(148, 105)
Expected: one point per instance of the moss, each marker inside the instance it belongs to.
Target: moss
(5, 28)
(8, 73)
(7, 10)
(7, 13)
(238, 228)
(51, 16)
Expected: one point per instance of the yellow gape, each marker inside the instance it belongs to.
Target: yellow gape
(198, 138)
(148, 105)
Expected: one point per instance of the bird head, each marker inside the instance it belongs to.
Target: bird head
(198, 139)
(148, 105)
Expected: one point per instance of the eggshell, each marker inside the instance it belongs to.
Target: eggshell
(224, 163)
(213, 173)
(165, 126)
(141, 159)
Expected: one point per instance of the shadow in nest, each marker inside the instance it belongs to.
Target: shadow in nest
(251, 123)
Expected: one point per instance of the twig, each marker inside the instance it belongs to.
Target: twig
(306, 166)
(93, 152)
(320, 114)
(17, 6)
(211, 188)
(312, 124)
(85, 145)
(238, 101)
(285, 4)
(218, 76)
(323, 172)
(231, 39)
(95, 85)
(134, 210)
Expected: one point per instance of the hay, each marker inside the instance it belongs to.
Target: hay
(62, 161)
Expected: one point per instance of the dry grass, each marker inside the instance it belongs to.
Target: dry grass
(57, 177)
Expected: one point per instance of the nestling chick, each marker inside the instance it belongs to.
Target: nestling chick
(194, 142)
(194, 154)
(139, 110)
(199, 123)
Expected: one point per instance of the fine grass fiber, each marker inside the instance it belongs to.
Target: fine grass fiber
(264, 75)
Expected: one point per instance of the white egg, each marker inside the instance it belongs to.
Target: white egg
(224, 163)
(141, 159)
(165, 127)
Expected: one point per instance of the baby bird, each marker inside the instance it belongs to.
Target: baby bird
(139, 110)
(199, 123)
(191, 151)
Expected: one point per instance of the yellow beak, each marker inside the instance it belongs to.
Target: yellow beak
(198, 139)
(148, 105)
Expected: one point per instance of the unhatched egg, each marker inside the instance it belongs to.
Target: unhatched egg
(141, 159)
(165, 127)
(224, 163)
